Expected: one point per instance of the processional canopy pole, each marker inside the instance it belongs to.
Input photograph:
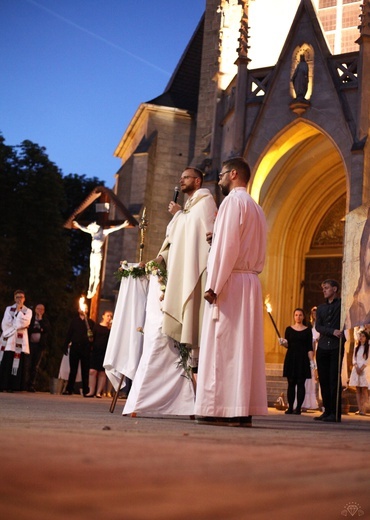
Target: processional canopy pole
(143, 224)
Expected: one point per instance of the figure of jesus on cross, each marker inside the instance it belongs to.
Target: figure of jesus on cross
(98, 236)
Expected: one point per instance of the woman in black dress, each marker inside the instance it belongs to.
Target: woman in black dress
(97, 377)
(298, 359)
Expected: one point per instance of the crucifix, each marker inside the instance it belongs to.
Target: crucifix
(99, 229)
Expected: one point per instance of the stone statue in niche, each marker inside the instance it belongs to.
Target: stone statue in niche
(300, 78)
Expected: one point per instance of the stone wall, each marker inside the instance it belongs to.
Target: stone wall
(147, 178)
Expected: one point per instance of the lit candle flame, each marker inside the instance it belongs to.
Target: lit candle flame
(269, 311)
(267, 304)
(82, 304)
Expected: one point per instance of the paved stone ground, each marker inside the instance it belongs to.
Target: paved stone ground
(66, 457)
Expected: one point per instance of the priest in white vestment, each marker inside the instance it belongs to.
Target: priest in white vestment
(185, 253)
(160, 386)
(231, 383)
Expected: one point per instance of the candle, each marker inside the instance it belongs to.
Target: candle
(83, 309)
(269, 310)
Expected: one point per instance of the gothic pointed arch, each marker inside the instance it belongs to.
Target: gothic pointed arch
(298, 180)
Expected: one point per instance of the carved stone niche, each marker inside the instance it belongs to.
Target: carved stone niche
(301, 78)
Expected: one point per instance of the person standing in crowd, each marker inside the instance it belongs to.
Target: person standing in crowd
(310, 401)
(14, 342)
(78, 340)
(360, 371)
(159, 385)
(298, 360)
(328, 355)
(97, 376)
(39, 336)
(231, 383)
(315, 334)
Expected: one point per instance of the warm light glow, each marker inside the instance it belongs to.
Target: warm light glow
(82, 304)
(262, 53)
(293, 136)
(268, 305)
(269, 309)
(230, 23)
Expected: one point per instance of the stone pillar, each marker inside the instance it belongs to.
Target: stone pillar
(363, 115)
(207, 88)
(221, 29)
(241, 84)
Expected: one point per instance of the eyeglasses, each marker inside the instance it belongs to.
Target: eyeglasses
(220, 175)
(187, 177)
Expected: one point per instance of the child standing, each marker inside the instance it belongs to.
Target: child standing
(359, 375)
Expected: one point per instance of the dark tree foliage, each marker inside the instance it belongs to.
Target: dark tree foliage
(8, 169)
(37, 254)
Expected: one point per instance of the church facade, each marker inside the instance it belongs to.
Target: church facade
(308, 150)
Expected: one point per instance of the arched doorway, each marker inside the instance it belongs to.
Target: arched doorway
(300, 182)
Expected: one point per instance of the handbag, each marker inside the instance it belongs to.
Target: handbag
(280, 403)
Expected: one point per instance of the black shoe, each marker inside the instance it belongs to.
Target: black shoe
(297, 412)
(245, 422)
(31, 389)
(67, 392)
(289, 411)
(321, 417)
(331, 418)
(218, 421)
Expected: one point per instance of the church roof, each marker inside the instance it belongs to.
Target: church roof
(183, 88)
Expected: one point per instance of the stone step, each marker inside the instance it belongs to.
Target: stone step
(274, 369)
(276, 383)
(275, 378)
(274, 366)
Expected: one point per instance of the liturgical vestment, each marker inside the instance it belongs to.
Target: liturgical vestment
(185, 251)
(231, 374)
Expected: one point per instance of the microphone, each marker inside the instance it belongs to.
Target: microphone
(176, 193)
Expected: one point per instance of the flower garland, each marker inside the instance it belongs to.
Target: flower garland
(124, 271)
(184, 360)
(152, 268)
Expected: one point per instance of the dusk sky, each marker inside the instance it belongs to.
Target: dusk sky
(73, 72)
